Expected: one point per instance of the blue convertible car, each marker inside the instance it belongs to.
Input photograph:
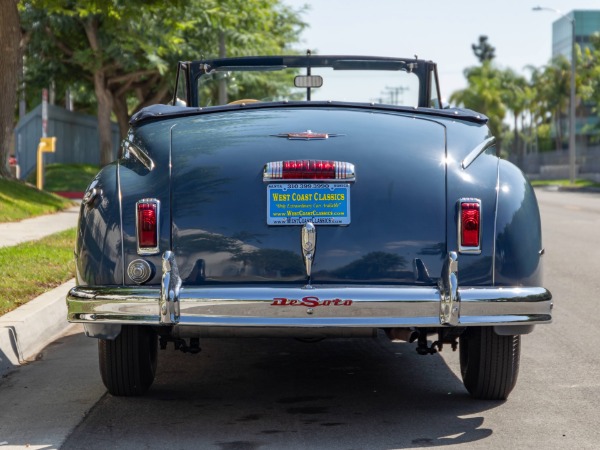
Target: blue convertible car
(310, 197)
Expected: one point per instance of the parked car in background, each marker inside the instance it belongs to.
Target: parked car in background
(309, 197)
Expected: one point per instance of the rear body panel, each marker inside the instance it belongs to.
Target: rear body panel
(219, 200)
(403, 204)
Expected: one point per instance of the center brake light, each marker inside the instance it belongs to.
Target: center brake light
(308, 169)
(147, 219)
(469, 227)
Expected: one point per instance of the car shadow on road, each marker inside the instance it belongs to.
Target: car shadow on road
(282, 393)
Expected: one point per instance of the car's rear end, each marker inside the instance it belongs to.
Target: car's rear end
(308, 220)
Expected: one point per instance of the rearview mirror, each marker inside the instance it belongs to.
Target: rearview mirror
(308, 81)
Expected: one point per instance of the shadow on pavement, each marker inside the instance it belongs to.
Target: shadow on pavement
(260, 393)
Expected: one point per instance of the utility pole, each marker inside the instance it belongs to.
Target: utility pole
(395, 93)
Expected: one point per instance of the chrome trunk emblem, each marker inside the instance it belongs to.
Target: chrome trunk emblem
(309, 244)
(307, 135)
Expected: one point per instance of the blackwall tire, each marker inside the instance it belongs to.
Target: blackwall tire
(128, 363)
(489, 363)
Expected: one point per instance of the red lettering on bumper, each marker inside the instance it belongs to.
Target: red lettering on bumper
(310, 302)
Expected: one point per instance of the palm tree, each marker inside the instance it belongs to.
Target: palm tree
(513, 94)
(483, 94)
(552, 85)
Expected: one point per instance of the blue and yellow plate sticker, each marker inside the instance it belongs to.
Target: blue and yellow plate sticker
(298, 203)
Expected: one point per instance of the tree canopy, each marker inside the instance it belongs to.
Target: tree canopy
(483, 94)
(125, 51)
(118, 56)
(483, 50)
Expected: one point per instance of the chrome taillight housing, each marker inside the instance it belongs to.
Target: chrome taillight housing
(308, 169)
(469, 225)
(147, 216)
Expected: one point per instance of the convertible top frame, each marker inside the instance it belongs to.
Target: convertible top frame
(189, 71)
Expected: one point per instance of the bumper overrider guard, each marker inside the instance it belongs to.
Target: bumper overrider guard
(312, 306)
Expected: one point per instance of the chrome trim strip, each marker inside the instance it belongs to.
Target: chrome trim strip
(496, 206)
(377, 307)
(147, 250)
(477, 151)
(170, 211)
(139, 154)
(461, 248)
(121, 218)
(307, 135)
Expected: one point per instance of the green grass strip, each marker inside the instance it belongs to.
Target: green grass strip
(32, 268)
(19, 201)
(579, 183)
(66, 177)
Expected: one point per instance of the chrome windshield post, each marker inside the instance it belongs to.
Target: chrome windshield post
(169, 292)
(449, 297)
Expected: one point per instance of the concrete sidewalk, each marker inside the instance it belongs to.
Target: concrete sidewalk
(13, 233)
(27, 330)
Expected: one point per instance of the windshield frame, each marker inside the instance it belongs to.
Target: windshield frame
(426, 71)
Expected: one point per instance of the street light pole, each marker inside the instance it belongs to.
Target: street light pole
(572, 154)
(572, 167)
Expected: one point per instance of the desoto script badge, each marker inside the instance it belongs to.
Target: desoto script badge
(311, 302)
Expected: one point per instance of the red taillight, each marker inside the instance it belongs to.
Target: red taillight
(308, 169)
(311, 170)
(147, 225)
(470, 220)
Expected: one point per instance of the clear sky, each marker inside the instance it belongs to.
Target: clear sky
(439, 30)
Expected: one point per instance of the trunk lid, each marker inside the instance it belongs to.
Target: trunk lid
(397, 229)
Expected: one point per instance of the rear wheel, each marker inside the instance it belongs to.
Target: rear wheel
(128, 363)
(489, 363)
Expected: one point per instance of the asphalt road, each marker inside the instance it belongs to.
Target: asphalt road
(351, 394)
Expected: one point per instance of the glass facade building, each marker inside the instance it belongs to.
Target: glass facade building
(587, 22)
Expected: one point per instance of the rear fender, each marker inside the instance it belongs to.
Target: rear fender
(107, 241)
(140, 180)
(518, 230)
(98, 249)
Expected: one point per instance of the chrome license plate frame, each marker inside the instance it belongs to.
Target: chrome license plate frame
(298, 203)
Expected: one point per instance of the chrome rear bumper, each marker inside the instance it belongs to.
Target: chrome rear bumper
(380, 307)
(310, 306)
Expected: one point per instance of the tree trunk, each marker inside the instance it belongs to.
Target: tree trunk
(105, 106)
(516, 142)
(103, 93)
(11, 51)
(120, 110)
(558, 130)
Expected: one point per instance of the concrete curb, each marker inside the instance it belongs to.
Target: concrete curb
(27, 330)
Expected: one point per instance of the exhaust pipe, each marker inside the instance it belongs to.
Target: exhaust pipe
(402, 334)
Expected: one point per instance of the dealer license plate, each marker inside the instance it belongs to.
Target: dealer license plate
(298, 203)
